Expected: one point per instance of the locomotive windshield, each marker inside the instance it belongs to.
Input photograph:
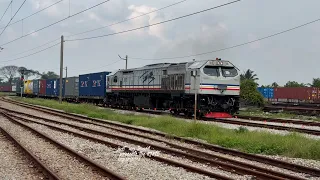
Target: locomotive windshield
(211, 70)
(229, 71)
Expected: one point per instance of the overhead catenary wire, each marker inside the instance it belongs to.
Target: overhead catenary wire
(97, 67)
(35, 13)
(129, 19)
(12, 18)
(55, 23)
(231, 47)
(162, 22)
(6, 10)
(101, 27)
(37, 52)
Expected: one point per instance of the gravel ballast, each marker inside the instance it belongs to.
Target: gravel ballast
(314, 164)
(129, 165)
(175, 142)
(56, 159)
(14, 163)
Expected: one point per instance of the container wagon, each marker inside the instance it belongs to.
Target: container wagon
(19, 88)
(28, 87)
(92, 87)
(267, 93)
(52, 88)
(71, 89)
(42, 87)
(5, 88)
(297, 94)
(36, 87)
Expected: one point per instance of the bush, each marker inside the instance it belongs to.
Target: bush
(249, 93)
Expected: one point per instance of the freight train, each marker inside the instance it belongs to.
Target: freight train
(213, 85)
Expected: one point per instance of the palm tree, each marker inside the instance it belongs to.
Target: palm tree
(274, 84)
(249, 75)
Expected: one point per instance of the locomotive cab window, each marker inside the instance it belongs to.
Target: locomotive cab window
(211, 71)
(229, 71)
(115, 79)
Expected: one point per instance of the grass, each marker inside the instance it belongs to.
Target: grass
(260, 113)
(292, 145)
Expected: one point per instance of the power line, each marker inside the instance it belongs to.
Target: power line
(12, 18)
(234, 46)
(103, 26)
(55, 22)
(94, 37)
(165, 7)
(32, 53)
(98, 67)
(35, 47)
(5, 11)
(35, 13)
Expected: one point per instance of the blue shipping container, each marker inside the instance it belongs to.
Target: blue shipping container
(56, 87)
(93, 85)
(49, 87)
(267, 93)
(53, 87)
(36, 87)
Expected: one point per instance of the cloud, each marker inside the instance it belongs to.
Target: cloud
(198, 40)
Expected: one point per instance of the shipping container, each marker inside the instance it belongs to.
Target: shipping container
(267, 93)
(28, 87)
(296, 94)
(42, 87)
(14, 88)
(5, 88)
(19, 87)
(49, 87)
(36, 87)
(93, 86)
(52, 88)
(56, 86)
(71, 87)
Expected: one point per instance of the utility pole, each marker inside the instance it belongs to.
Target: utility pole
(126, 59)
(66, 71)
(194, 74)
(61, 71)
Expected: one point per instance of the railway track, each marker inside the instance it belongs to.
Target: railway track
(175, 149)
(46, 172)
(261, 122)
(96, 170)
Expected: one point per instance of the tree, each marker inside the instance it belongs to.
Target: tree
(274, 85)
(294, 84)
(249, 75)
(250, 94)
(49, 75)
(9, 72)
(316, 82)
(28, 72)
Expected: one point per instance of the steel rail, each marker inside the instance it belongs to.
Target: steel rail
(186, 149)
(253, 157)
(115, 145)
(46, 170)
(254, 170)
(110, 174)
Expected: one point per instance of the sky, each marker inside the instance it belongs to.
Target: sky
(291, 56)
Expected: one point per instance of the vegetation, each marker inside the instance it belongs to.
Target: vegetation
(294, 84)
(249, 93)
(260, 113)
(9, 72)
(49, 75)
(292, 145)
(249, 75)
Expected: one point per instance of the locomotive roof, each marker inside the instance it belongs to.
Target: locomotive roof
(192, 64)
